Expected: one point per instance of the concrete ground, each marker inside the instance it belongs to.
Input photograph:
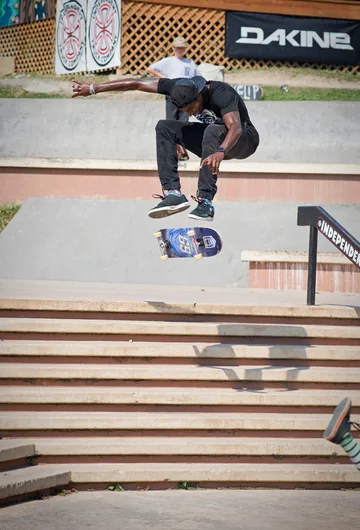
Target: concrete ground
(57, 291)
(112, 241)
(190, 510)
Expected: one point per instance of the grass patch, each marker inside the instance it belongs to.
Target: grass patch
(87, 78)
(272, 93)
(294, 72)
(7, 212)
(16, 92)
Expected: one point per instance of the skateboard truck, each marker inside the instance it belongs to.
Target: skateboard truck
(164, 245)
(191, 233)
(197, 242)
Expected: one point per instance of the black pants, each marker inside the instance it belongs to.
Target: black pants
(173, 113)
(202, 140)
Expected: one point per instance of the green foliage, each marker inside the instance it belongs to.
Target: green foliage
(16, 92)
(116, 487)
(272, 93)
(7, 212)
(304, 71)
(187, 485)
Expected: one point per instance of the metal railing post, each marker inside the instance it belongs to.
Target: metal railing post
(319, 220)
(311, 285)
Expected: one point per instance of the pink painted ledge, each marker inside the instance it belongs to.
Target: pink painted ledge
(288, 271)
(130, 180)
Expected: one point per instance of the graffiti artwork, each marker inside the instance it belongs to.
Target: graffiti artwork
(20, 11)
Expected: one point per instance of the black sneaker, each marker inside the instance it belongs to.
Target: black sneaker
(170, 204)
(340, 423)
(204, 211)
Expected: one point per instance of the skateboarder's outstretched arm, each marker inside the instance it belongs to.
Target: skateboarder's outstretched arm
(122, 85)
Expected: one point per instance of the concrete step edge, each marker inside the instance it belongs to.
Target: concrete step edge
(168, 396)
(156, 308)
(33, 479)
(138, 328)
(16, 449)
(184, 446)
(162, 421)
(151, 165)
(180, 373)
(160, 349)
(282, 473)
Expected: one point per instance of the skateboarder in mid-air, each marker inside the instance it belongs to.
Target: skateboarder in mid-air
(224, 131)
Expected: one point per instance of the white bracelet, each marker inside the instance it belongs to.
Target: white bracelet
(92, 89)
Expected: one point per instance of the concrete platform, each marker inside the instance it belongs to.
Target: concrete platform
(112, 241)
(200, 510)
(46, 295)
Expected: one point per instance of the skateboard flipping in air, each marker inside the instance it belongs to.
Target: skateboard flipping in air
(188, 243)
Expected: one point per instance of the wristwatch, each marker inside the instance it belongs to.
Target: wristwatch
(221, 150)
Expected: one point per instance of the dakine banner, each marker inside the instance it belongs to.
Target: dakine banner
(285, 38)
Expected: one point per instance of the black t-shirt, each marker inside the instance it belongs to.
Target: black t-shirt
(219, 100)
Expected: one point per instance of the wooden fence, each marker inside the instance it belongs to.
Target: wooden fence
(32, 45)
(147, 32)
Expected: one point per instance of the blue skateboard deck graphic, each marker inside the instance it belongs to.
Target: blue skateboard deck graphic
(188, 242)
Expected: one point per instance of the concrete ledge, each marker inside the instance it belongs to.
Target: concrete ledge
(157, 299)
(229, 166)
(118, 473)
(270, 269)
(15, 449)
(139, 328)
(183, 446)
(38, 348)
(157, 307)
(166, 396)
(48, 421)
(282, 256)
(32, 479)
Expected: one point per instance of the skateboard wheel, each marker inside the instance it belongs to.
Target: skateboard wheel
(198, 256)
(164, 258)
(157, 234)
(191, 233)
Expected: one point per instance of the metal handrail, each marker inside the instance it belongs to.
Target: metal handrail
(321, 221)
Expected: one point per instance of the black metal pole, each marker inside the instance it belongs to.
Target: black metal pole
(311, 286)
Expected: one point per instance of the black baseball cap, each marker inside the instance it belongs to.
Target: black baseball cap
(185, 90)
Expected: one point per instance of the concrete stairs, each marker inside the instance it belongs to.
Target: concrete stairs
(19, 478)
(199, 394)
